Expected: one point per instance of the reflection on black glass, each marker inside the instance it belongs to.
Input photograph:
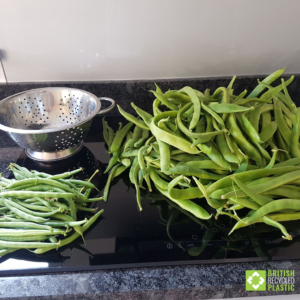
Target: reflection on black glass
(257, 240)
(161, 234)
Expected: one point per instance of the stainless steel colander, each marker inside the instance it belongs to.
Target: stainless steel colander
(50, 123)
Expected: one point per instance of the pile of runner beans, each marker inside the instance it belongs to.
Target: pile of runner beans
(38, 211)
(231, 151)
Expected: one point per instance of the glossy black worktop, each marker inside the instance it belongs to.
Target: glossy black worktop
(145, 242)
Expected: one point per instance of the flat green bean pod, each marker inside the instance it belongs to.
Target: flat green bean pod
(204, 136)
(269, 79)
(289, 163)
(273, 92)
(213, 203)
(177, 95)
(196, 105)
(189, 206)
(273, 223)
(227, 108)
(179, 194)
(295, 152)
(205, 164)
(251, 130)
(120, 135)
(214, 155)
(246, 202)
(133, 119)
(165, 155)
(261, 200)
(282, 126)
(143, 166)
(164, 100)
(275, 206)
(251, 175)
(192, 171)
(241, 140)
(224, 149)
(268, 131)
(272, 184)
(168, 138)
(186, 157)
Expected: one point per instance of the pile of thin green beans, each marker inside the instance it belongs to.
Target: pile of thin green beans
(38, 211)
(239, 154)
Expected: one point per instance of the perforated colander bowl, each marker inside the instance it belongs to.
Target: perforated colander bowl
(50, 123)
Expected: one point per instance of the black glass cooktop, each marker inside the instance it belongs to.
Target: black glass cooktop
(160, 235)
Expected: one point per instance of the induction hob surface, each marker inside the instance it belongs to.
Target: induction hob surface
(161, 234)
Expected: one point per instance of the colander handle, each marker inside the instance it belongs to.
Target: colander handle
(113, 103)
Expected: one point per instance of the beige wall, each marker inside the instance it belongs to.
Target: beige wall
(58, 40)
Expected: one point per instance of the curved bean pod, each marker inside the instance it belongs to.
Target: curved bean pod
(272, 184)
(282, 126)
(191, 171)
(168, 138)
(274, 206)
(189, 206)
(132, 119)
(250, 176)
(269, 79)
(261, 200)
(196, 104)
(241, 140)
(295, 152)
(227, 108)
